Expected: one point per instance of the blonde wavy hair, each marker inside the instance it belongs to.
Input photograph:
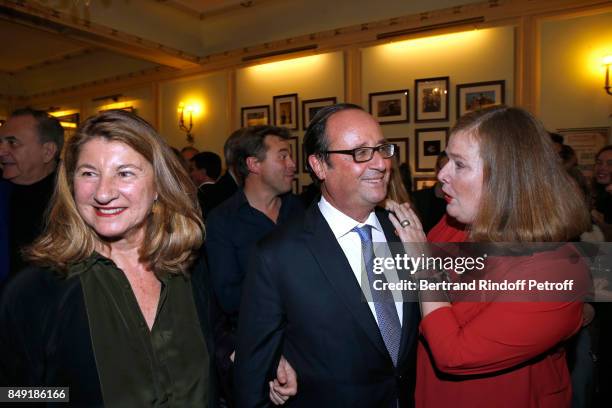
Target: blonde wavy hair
(174, 230)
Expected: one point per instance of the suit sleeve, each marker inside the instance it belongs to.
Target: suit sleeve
(260, 332)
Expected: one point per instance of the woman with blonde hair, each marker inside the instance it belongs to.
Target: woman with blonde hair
(503, 184)
(112, 306)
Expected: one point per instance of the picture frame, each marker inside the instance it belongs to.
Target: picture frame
(285, 111)
(430, 142)
(390, 107)
(480, 95)
(431, 99)
(311, 106)
(586, 142)
(255, 115)
(421, 182)
(294, 145)
(403, 144)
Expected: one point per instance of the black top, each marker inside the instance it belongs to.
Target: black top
(27, 208)
(5, 189)
(214, 194)
(430, 207)
(603, 204)
(232, 230)
(55, 332)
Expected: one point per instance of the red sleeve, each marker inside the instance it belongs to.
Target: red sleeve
(501, 336)
(476, 338)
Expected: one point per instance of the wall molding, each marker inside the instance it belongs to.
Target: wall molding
(524, 15)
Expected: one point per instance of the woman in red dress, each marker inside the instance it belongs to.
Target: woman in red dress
(503, 183)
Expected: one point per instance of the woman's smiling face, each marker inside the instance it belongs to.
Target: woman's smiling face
(114, 189)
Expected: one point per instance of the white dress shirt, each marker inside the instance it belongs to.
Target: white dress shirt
(342, 225)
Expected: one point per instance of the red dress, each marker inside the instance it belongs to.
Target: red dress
(497, 354)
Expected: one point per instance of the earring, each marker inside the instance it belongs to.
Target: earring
(155, 207)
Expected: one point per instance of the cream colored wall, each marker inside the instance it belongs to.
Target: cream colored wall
(572, 74)
(209, 93)
(313, 77)
(473, 56)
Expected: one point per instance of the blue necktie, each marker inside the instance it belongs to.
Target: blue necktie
(388, 320)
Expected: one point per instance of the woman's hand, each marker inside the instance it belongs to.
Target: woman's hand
(407, 225)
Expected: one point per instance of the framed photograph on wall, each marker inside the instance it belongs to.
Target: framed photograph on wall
(431, 99)
(479, 95)
(390, 107)
(312, 106)
(285, 111)
(430, 143)
(403, 146)
(294, 145)
(421, 182)
(255, 115)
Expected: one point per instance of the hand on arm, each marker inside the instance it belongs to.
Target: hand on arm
(411, 234)
(285, 384)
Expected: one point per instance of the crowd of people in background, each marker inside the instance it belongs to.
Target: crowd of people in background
(138, 274)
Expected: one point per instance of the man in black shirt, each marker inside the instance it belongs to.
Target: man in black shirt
(30, 146)
(263, 160)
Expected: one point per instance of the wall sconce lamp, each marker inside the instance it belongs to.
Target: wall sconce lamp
(607, 62)
(186, 127)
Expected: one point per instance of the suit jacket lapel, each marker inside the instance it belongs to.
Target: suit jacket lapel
(330, 257)
(411, 315)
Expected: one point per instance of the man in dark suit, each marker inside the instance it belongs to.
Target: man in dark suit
(205, 168)
(227, 184)
(302, 297)
(31, 142)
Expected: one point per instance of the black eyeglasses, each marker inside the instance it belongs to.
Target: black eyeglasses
(364, 154)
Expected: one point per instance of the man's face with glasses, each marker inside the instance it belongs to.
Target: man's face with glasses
(356, 181)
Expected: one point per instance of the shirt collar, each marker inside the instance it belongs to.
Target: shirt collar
(340, 223)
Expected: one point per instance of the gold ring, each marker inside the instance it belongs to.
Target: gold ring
(405, 223)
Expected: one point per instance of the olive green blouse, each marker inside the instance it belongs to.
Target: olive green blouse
(167, 366)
